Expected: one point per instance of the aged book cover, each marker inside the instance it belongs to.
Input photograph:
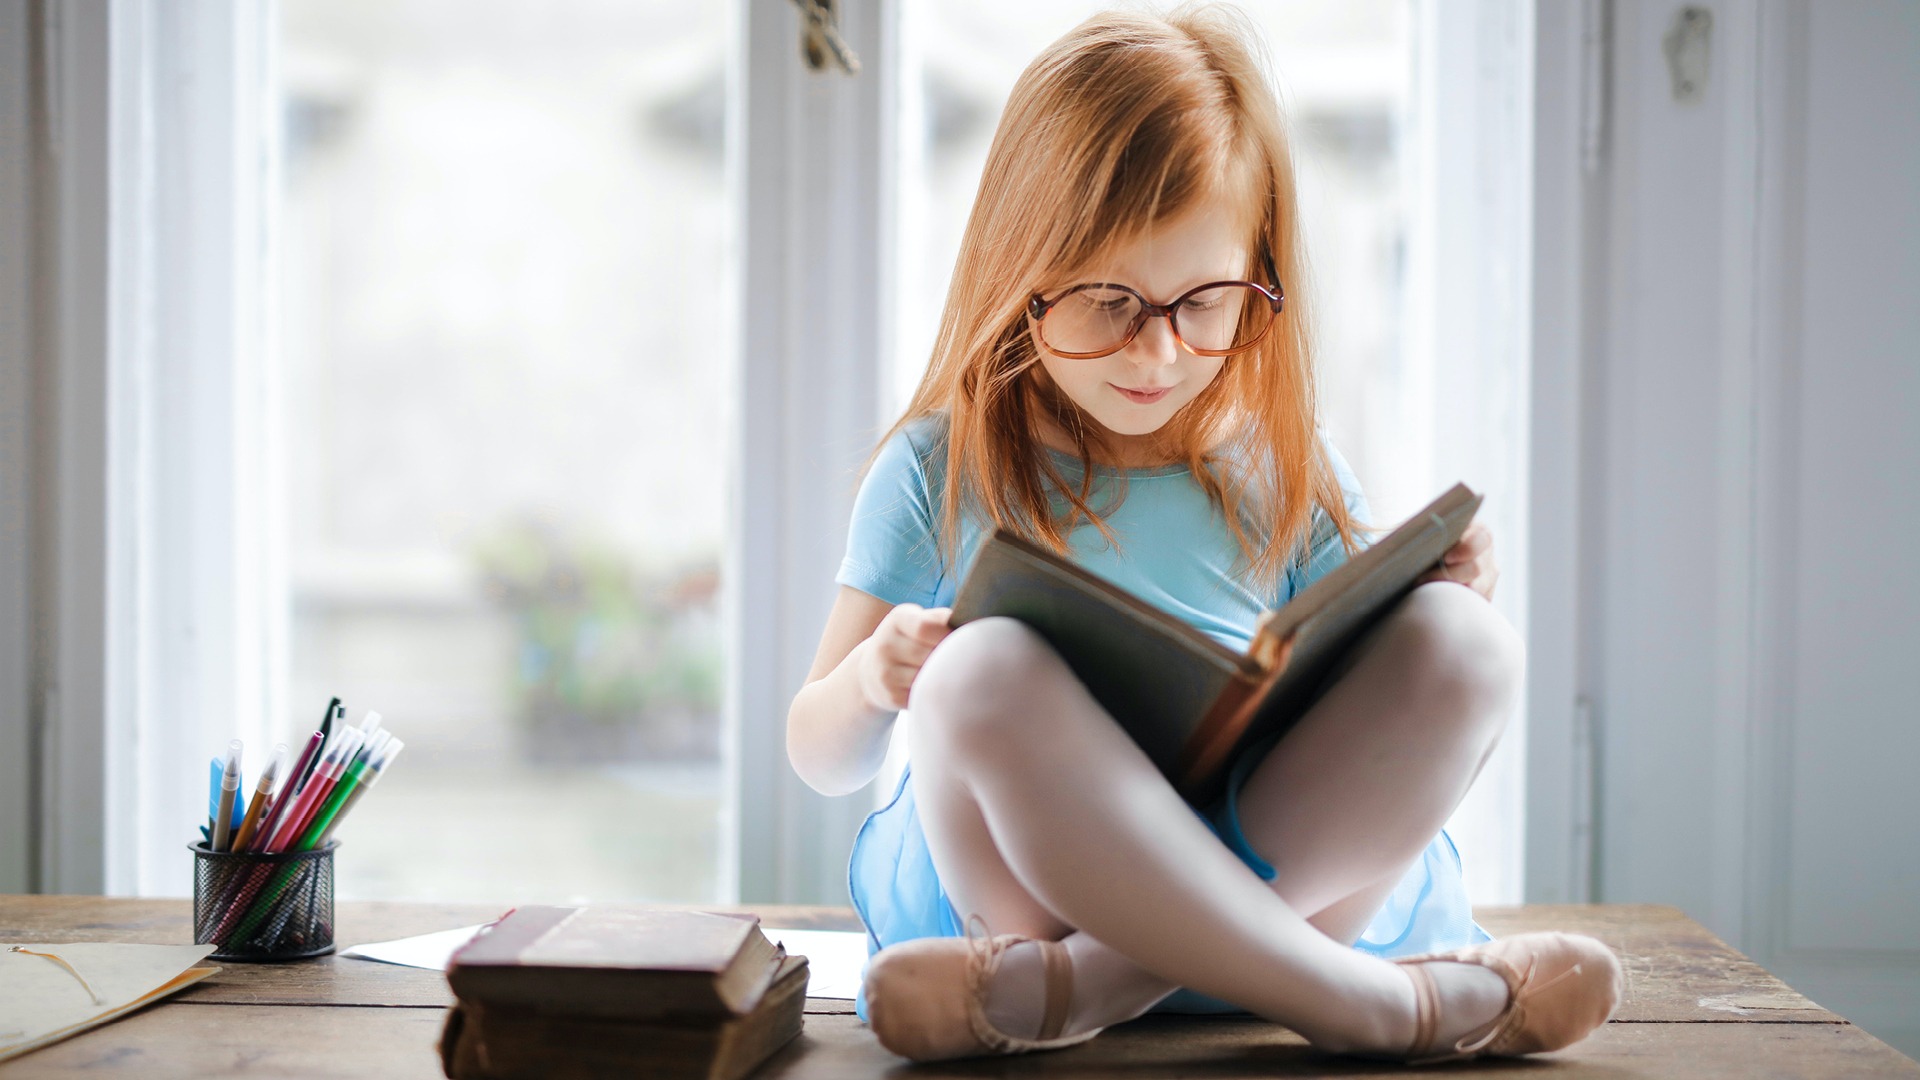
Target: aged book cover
(620, 962)
(1188, 700)
(503, 1042)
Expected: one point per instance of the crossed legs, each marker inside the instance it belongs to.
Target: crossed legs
(1044, 818)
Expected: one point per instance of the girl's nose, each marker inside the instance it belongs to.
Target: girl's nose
(1154, 346)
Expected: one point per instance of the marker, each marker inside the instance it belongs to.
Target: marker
(229, 788)
(374, 773)
(284, 801)
(350, 781)
(326, 732)
(294, 824)
(262, 791)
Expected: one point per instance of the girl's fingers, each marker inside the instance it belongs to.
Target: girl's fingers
(931, 625)
(908, 652)
(1474, 542)
(899, 681)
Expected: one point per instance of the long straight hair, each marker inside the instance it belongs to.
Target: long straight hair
(1129, 120)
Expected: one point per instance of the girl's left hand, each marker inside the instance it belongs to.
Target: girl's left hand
(1469, 562)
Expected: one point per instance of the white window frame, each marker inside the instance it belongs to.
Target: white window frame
(811, 189)
(145, 579)
(1466, 333)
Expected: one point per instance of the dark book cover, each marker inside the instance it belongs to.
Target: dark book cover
(1186, 699)
(482, 1041)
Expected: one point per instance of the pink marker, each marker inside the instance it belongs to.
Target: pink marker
(288, 827)
(350, 747)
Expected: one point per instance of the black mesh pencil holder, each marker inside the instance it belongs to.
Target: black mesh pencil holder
(263, 907)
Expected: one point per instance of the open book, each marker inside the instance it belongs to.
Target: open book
(1188, 700)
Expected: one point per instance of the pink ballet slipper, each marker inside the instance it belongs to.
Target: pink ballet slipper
(926, 999)
(1559, 988)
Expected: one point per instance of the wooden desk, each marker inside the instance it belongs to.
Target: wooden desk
(1694, 1008)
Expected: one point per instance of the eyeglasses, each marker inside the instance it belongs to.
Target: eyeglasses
(1098, 319)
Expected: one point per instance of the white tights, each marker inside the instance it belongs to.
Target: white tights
(1043, 817)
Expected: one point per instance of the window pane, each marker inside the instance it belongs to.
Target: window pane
(503, 285)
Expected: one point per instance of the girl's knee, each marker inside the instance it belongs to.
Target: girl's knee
(977, 679)
(1462, 649)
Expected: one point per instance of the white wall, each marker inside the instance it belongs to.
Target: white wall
(1747, 382)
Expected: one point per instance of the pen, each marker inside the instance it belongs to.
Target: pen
(261, 792)
(229, 788)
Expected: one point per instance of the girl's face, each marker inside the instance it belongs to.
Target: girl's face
(1134, 392)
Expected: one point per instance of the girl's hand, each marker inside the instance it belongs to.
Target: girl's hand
(1469, 562)
(895, 651)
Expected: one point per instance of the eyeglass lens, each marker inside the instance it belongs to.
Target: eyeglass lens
(1098, 318)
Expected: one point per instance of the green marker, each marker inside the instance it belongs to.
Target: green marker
(356, 771)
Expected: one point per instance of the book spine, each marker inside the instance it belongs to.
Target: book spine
(1205, 753)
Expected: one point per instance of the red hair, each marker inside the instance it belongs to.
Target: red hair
(1129, 120)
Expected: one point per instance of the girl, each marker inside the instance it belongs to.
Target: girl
(1123, 372)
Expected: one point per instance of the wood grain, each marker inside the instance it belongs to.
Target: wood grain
(1676, 969)
(1694, 1007)
(163, 1042)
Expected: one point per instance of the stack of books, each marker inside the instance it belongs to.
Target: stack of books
(559, 992)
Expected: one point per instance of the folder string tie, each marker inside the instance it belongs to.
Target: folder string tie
(62, 961)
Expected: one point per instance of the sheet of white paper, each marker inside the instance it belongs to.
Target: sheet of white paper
(426, 951)
(835, 958)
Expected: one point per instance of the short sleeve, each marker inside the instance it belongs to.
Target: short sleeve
(1324, 548)
(892, 551)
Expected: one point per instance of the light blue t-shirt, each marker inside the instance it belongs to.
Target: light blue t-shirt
(1175, 550)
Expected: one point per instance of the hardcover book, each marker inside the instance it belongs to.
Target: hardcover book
(1185, 698)
(484, 1041)
(620, 963)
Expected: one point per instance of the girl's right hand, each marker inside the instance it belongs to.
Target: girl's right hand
(895, 651)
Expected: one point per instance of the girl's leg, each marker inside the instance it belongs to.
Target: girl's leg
(1360, 786)
(1115, 988)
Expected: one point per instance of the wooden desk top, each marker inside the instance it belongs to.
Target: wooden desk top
(1694, 1007)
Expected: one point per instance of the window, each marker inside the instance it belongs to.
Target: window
(503, 295)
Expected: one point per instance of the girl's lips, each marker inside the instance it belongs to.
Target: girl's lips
(1143, 397)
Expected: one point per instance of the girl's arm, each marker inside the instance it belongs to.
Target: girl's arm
(838, 724)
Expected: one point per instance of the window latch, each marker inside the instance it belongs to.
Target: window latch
(820, 40)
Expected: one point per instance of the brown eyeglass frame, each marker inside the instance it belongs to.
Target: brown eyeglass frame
(1038, 306)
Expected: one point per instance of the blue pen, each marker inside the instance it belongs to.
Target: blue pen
(216, 771)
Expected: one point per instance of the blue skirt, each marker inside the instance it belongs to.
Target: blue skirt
(899, 897)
